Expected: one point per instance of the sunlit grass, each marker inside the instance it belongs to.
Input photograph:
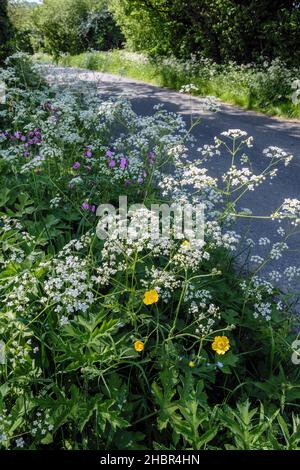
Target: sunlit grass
(134, 66)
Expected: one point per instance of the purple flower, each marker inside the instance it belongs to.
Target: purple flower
(109, 153)
(17, 134)
(88, 153)
(23, 138)
(140, 180)
(85, 206)
(93, 208)
(151, 157)
(76, 166)
(26, 154)
(111, 163)
(123, 163)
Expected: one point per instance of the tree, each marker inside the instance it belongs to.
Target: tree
(221, 29)
(73, 26)
(5, 31)
(20, 13)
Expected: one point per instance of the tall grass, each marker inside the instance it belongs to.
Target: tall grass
(265, 88)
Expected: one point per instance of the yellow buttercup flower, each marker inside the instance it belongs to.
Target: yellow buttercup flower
(150, 297)
(220, 344)
(139, 346)
(185, 243)
(192, 364)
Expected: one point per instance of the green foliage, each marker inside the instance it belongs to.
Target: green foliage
(264, 87)
(74, 26)
(73, 306)
(20, 15)
(219, 29)
(5, 31)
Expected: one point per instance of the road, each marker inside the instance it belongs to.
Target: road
(265, 130)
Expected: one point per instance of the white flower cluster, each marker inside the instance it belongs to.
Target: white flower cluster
(164, 282)
(291, 273)
(23, 287)
(68, 286)
(242, 177)
(278, 153)
(290, 209)
(55, 202)
(263, 309)
(188, 88)
(234, 133)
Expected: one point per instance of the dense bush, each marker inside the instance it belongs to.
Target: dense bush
(219, 29)
(140, 342)
(73, 26)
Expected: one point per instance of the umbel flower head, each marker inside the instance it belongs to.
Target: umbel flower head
(220, 344)
(150, 297)
(139, 346)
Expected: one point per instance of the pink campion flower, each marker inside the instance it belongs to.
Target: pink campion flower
(85, 206)
(123, 163)
(109, 153)
(76, 166)
(111, 163)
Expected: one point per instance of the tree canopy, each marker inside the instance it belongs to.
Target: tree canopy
(73, 26)
(5, 31)
(220, 29)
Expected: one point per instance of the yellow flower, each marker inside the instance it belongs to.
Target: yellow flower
(192, 364)
(185, 245)
(139, 346)
(220, 344)
(150, 297)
